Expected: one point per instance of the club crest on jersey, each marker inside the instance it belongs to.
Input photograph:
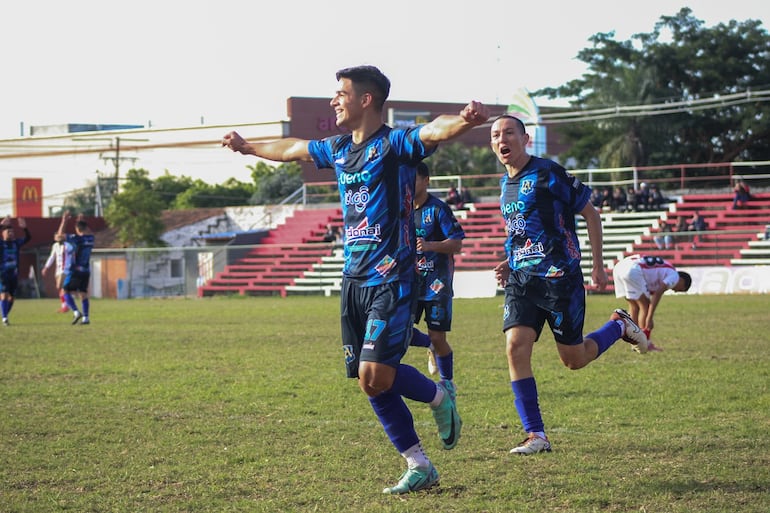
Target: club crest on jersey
(526, 187)
(386, 265)
(554, 272)
(362, 232)
(371, 153)
(427, 217)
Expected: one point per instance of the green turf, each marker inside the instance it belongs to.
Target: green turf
(241, 404)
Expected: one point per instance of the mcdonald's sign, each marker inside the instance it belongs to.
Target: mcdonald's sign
(28, 197)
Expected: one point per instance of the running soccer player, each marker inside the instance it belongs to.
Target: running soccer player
(375, 175)
(439, 238)
(79, 276)
(642, 281)
(542, 277)
(10, 248)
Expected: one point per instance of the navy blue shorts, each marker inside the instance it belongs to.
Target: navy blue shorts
(77, 281)
(376, 323)
(438, 313)
(531, 301)
(9, 281)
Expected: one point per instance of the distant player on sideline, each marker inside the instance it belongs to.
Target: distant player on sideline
(60, 259)
(642, 281)
(79, 276)
(10, 247)
(439, 238)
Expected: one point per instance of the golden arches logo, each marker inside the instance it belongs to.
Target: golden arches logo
(30, 193)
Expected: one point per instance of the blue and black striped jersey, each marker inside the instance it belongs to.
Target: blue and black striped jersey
(435, 221)
(539, 206)
(377, 195)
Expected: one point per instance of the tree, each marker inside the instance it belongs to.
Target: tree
(135, 211)
(202, 195)
(679, 61)
(273, 184)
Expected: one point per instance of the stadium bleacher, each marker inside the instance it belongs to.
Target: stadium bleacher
(293, 259)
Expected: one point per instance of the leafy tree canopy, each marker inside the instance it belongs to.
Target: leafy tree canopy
(680, 62)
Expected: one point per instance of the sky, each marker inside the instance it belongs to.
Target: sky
(177, 63)
(173, 63)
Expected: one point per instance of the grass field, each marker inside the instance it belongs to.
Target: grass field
(241, 404)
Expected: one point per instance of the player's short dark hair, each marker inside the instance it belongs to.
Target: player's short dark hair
(519, 122)
(368, 79)
(81, 225)
(422, 170)
(687, 280)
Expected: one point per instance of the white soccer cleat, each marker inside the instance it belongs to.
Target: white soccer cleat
(432, 367)
(532, 445)
(632, 333)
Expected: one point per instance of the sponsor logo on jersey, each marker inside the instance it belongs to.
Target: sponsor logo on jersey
(386, 265)
(436, 286)
(372, 153)
(424, 265)
(351, 178)
(516, 225)
(362, 232)
(512, 207)
(358, 199)
(529, 251)
(554, 272)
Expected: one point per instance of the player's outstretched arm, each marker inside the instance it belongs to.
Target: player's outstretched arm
(448, 126)
(281, 150)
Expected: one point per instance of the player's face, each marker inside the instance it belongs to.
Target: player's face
(8, 234)
(421, 186)
(346, 104)
(508, 142)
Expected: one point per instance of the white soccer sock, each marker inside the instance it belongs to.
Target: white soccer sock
(416, 457)
(438, 398)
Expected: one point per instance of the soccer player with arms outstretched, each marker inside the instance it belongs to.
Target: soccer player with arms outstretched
(373, 164)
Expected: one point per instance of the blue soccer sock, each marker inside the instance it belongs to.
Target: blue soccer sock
(445, 366)
(396, 419)
(525, 400)
(86, 306)
(412, 384)
(10, 305)
(606, 336)
(70, 302)
(419, 338)
(4, 307)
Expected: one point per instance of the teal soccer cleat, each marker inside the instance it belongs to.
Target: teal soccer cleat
(414, 479)
(446, 416)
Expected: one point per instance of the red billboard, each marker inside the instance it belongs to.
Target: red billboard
(28, 197)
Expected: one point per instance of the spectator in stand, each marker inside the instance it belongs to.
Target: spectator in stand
(631, 203)
(606, 198)
(742, 195)
(642, 197)
(596, 198)
(465, 196)
(454, 199)
(696, 224)
(664, 239)
(618, 200)
(655, 200)
(332, 233)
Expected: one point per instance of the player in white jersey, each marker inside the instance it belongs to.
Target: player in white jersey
(60, 259)
(642, 281)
